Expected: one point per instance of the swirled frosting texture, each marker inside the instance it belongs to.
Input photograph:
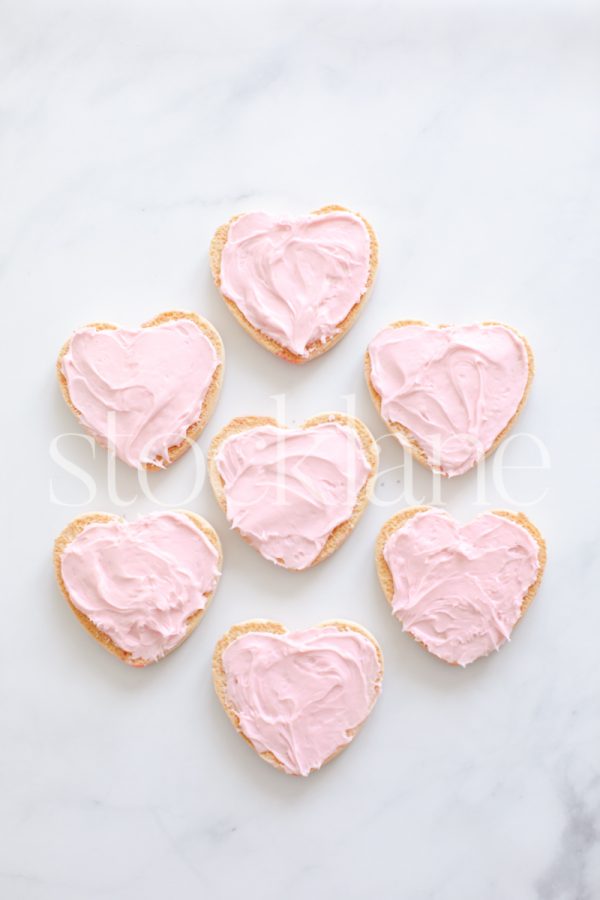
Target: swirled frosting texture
(287, 489)
(455, 389)
(296, 279)
(139, 582)
(301, 695)
(459, 589)
(140, 390)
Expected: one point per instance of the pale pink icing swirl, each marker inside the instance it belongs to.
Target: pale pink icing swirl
(296, 279)
(300, 695)
(458, 589)
(139, 582)
(139, 390)
(287, 489)
(454, 389)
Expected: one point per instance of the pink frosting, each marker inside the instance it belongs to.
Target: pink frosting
(139, 582)
(287, 489)
(458, 589)
(454, 389)
(302, 694)
(139, 390)
(296, 279)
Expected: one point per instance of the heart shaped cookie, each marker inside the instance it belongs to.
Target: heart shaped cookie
(145, 392)
(300, 697)
(459, 590)
(295, 284)
(450, 393)
(294, 494)
(140, 588)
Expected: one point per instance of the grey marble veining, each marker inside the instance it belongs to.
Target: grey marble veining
(469, 134)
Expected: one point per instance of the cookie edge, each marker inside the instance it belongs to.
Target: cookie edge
(210, 398)
(272, 627)
(342, 531)
(404, 435)
(396, 522)
(317, 348)
(79, 524)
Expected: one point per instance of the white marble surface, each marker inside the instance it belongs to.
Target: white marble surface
(470, 135)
